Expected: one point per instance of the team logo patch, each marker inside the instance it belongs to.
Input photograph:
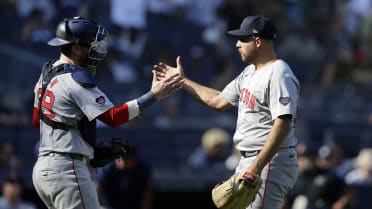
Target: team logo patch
(100, 100)
(284, 100)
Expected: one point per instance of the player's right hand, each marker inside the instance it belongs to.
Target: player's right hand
(171, 82)
(163, 69)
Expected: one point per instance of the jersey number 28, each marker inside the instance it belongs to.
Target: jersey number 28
(47, 103)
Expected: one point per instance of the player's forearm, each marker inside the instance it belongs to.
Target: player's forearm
(115, 116)
(121, 114)
(277, 135)
(202, 94)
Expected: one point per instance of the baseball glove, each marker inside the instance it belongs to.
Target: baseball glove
(107, 150)
(238, 192)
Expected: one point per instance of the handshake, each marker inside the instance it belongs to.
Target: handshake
(167, 80)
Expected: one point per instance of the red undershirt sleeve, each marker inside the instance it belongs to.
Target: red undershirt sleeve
(119, 115)
(35, 118)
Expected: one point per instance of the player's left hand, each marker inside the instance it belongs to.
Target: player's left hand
(162, 69)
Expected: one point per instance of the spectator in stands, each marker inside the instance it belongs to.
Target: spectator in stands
(12, 192)
(212, 152)
(338, 70)
(167, 26)
(317, 186)
(123, 70)
(360, 180)
(226, 71)
(362, 173)
(199, 62)
(127, 184)
(170, 115)
(302, 51)
(72, 8)
(25, 8)
(233, 160)
(9, 162)
(352, 65)
(12, 119)
(234, 10)
(305, 157)
(362, 73)
(355, 11)
(8, 12)
(35, 29)
(11, 111)
(202, 13)
(129, 17)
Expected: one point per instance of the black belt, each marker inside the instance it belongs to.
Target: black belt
(70, 155)
(255, 152)
(249, 153)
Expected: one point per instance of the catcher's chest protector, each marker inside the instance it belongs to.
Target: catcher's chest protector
(84, 78)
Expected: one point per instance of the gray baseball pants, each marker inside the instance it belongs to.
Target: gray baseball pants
(64, 183)
(278, 176)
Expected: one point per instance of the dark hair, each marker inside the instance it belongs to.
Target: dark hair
(66, 50)
(13, 180)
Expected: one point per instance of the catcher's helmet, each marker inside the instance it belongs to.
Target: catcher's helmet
(82, 31)
(75, 30)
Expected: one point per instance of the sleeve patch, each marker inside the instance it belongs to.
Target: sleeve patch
(100, 100)
(284, 100)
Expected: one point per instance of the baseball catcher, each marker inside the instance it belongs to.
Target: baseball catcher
(67, 103)
(238, 192)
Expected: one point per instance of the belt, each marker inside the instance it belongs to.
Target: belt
(249, 153)
(256, 152)
(68, 155)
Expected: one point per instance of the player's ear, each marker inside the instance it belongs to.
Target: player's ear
(257, 40)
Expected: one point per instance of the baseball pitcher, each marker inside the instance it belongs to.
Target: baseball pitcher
(266, 94)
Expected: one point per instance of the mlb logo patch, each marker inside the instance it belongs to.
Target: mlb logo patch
(284, 100)
(100, 100)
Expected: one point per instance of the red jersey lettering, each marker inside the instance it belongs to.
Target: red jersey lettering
(251, 102)
(247, 98)
(241, 94)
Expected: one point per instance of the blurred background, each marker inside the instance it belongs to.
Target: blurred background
(182, 148)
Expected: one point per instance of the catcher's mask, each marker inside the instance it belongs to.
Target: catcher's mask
(86, 32)
(98, 49)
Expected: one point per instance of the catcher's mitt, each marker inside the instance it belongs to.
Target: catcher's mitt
(238, 192)
(108, 150)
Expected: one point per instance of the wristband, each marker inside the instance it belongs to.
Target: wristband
(133, 109)
(146, 100)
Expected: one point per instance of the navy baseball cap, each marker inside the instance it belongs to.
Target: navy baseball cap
(255, 25)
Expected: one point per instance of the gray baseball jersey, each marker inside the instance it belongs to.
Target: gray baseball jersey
(261, 96)
(67, 101)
